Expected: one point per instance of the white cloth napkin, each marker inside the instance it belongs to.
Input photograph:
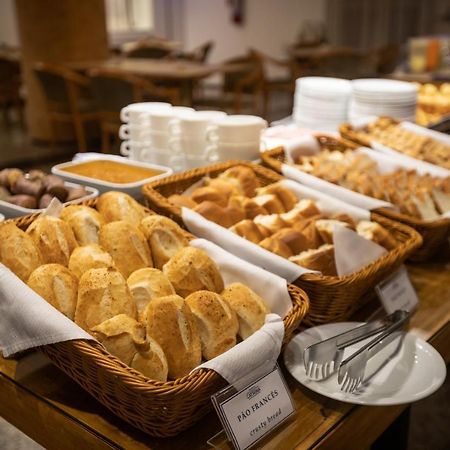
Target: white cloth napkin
(305, 146)
(27, 320)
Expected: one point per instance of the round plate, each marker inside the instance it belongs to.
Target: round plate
(398, 374)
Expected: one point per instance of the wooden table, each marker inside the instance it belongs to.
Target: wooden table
(41, 401)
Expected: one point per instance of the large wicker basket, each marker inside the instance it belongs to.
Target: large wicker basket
(434, 234)
(160, 409)
(332, 298)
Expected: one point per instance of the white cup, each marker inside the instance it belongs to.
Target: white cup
(133, 112)
(159, 120)
(195, 123)
(134, 150)
(134, 132)
(188, 145)
(159, 139)
(236, 129)
(223, 151)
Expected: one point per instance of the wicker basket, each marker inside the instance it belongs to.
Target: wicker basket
(160, 409)
(331, 298)
(434, 234)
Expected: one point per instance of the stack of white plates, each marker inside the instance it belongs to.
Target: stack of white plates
(321, 103)
(380, 97)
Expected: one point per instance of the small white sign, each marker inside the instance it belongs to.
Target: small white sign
(253, 412)
(397, 292)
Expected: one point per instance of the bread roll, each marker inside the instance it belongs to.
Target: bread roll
(292, 217)
(171, 323)
(249, 307)
(244, 177)
(127, 246)
(147, 284)
(208, 193)
(182, 200)
(114, 206)
(57, 285)
(272, 222)
(102, 294)
(295, 240)
(309, 230)
(342, 217)
(18, 251)
(150, 360)
(325, 227)
(225, 217)
(216, 322)
(276, 246)
(321, 259)
(191, 270)
(250, 230)
(89, 257)
(164, 237)
(85, 223)
(377, 233)
(307, 208)
(270, 203)
(284, 194)
(54, 238)
(250, 207)
(227, 187)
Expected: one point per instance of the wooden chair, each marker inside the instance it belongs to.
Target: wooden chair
(149, 50)
(10, 83)
(199, 54)
(113, 89)
(68, 100)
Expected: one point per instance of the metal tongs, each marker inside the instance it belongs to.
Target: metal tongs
(325, 357)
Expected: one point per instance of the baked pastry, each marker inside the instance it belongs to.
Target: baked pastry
(227, 187)
(150, 360)
(18, 251)
(164, 237)
(127, 246)
(292, 217)
(102, 294)
(295, 240)
(147, 284)
(54, 238)
(250, 230)
(208, 193)
(250, 207)
(307, 208)
(276, 246)
(224, 216)
(57, 285)
(85, 223)
(182, 200)
(284, 194)
(325, 227)
(89, 257)
(114, 206)
(342, 217)
(377, 233)
(321, 259)
(250, 308)
(242, 176)
(270, 203)
(191, 270)
(309, 230)
(171, 323)
(272, 222)
(216, 321)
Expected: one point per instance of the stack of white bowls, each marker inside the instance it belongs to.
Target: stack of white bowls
(381, 97)
(321, 103)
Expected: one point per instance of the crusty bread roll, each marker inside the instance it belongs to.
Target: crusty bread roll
(114, 206)
(89, 257)
(276, 246)
(249, 307)
(225, 216)
(227, 187)
(321, 259)
(124, 338)
(171, 323)
(57, 285)
(54, 238)
(208, 193)
(307, 207)
(272, 222)
(270, 203)
(325, 227)
(147, 284)
(377, 233)
(102, 294)
(344, 218)
(18, 251)
(285, 195)
(127, 246)
(250, 230)
(295, 240)
(190, 270)
(85, 223)
(164, 237)
(250, 207)
(309, 230)
(245, 178)
(216, 322)
(292, 217)
(182, 200)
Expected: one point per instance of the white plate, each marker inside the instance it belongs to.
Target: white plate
(414, 372)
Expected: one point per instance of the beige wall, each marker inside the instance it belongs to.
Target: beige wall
(8, 26)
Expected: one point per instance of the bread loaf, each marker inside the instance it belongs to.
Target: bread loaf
(249, 307)
(114, 206)
(85, 223)
(377, 233)
(171, 323)
(321, 259)
(216, 322)
(127, 246)
(57, 285)
(54, 238)
(18, 251)
(89, 257)
(102, 294)
(164, 237)
(191, 270)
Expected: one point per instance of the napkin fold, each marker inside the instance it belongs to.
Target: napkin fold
(306, 145)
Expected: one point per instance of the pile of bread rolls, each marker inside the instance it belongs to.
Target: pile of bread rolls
(132, 281)
(433, 103)
(422, 196)
(273, 217)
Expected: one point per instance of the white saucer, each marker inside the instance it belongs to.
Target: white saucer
(411, 373)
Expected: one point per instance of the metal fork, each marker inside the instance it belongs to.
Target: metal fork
(323, 358)
(352, 370)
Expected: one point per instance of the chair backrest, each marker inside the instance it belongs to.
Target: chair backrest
(9, 74)
(388, 58)
(249, 66)
(202, 52)
(148, 51)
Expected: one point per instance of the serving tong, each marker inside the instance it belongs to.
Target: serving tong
(325, 357)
